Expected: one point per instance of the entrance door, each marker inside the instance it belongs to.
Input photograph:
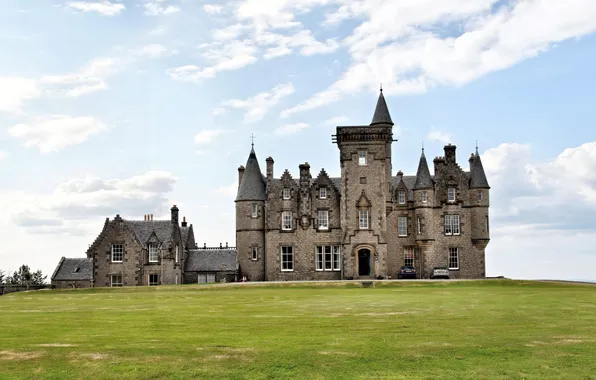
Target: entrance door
(364, 262)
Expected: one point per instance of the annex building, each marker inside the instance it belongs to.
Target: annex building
(368, 223)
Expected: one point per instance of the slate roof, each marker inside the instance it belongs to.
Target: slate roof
(144, 228)
(381, 115)
(184, 232)
(423, 178)
(252, 187)
(211, 260)
(67, 270)
(477, 176)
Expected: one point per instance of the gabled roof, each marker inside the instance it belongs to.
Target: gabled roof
(252, 187)
(381, 115)
(477, 176)
(211, 260)
(423, 178)
(74, 270)
(145, 228)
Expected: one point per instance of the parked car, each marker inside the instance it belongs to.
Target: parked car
(406, 272)
(440, 272)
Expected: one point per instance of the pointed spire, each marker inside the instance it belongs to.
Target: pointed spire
(252, 186)
(477, 176)
(381, 115)
(423, 178)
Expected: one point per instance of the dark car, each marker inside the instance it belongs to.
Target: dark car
(406, 272)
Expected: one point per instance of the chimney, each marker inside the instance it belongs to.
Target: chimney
(240, 174)
(400, 176)
(305, 173)
(226, 244)
(174, 211)
(471, 160)
(269, 161)
(204, 245)
(145, 217)
(151, 217)
(220, 245)
(184, 221)
(449, 154)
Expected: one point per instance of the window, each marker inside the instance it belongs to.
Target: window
(453, 258)
(451, 194)
(177, 253)
(419, 223)
(153, 279)
(424, 197)
(487, 223)
(323, 217)
(286, 193)
(76, 270)
(254, 211)
(401, 197)
(255, 253)
(409, 257)
(452, 225)
(286, 220)
(176, 278)
(479, 195)
(323, 193)
(287, 258)
(362, 158)
(153, 253)
(327, 258)
(116, 280)
(363, 219)
(402, 226)
(117, 253)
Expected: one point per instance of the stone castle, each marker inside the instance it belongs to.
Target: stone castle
(367, 223)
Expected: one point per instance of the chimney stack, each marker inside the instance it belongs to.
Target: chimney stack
(226, 244)
(184, 221)
(240, 174)
(269, 161)
(151, 216)
(145, 217)
(174, 217)
(449, 154)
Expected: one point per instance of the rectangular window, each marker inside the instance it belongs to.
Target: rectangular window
(286, 193)
(402, 226)
(453, 258)
(455, 224)
(327, 258)
(254, 211)
(323, 216)
(424, 197)
(153, 279)
(419, 223)
(286, 220)
(177, 254)
(362, 158)
(323, 192)
(487, 223)
(451, 194)
(363, 219)
(401, 197)
(448, 225)
(153, 253)
(117, 253)
(479, 195)
(116, 280)
(255, 253)
(287, 258)
(409, 257)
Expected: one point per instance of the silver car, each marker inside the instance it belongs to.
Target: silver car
(440, 272)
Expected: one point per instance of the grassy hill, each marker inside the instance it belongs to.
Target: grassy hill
(496, 329)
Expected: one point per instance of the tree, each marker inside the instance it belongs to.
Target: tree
(2, 276)
(24, 277)
(38, 278)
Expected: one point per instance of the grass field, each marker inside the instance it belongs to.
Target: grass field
(463, 330)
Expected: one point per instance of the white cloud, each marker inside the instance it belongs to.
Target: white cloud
(207, 136)
(229, 190)
(104, 7)
(290, 129)
(89, 79)
(212, 9)
(151, 51)
(15, 91)
(438, 136)
(157, 7)
(56, 132)
(335, 121)
(257, 106)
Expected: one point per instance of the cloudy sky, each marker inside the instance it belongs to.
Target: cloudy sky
(128, 107)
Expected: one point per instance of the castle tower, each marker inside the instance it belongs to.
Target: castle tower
(250, 220)
(365, 159)
(424, 196)
(480, 201)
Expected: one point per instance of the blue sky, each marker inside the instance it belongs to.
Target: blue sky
(129, 107)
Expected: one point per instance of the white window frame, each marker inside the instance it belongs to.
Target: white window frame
(254, 253)
(363, 218)
(479, 195)
(453, 258)
(419, 224)
(153, 249)
(116, 251)
(327, 258)
(254, 212)
(401, 197)
(323, 193)
(362, 158)
(286, 194)
(323, 219)
(154, 283)
(452, 224)
(286, 220)
(177, 253)
(114, 282)
(287, 265)
(424, 197)
(402, 226)
(451, 194)
(409, 256)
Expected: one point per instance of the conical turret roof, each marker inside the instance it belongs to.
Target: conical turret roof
(381, 115)
(477, 176)
(252, 187)
(423, 178)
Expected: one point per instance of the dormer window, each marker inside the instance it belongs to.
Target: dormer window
(323, 193)
(153, 253)
(362, 158)
(286, 193)
(451, 194)
(424, 197)
(401, 197)
(76, 270)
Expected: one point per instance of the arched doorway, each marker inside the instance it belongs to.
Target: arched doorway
(364, 262)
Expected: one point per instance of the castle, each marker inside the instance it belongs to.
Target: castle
(367, 223)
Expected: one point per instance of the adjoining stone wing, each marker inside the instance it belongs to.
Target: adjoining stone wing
(211, 265)
(73, 273)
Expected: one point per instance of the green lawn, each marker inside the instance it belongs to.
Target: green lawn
(464, 330)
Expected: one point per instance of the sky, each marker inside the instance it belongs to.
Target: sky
(130, 106)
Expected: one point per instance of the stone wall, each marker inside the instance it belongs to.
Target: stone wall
(64, 284)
